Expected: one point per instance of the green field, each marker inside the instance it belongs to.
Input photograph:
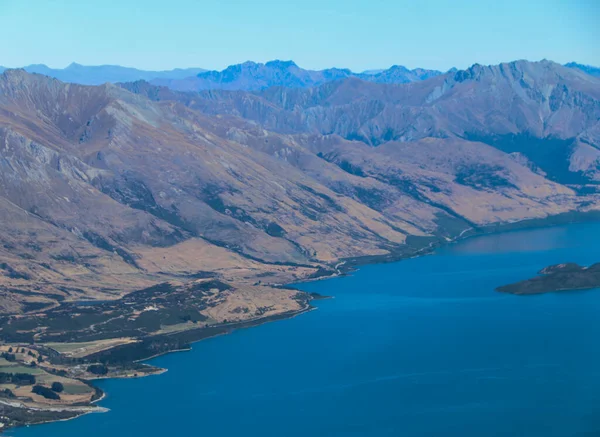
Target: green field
(17, 368)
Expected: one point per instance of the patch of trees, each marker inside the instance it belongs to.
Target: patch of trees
(8, 356)
(45, 392)
(57, 387)
(60, 372)
(17, 378)
(98, 369)
(7, 393)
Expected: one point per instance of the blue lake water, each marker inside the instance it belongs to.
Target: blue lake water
(423, 347)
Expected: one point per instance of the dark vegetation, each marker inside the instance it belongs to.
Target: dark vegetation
(127, 354)
(17, 416)
(45, 392)
(111, 319)
(17, 378)
(321, 273)
(274, 230)
(329, 202)
(98, 369)
(7, 393)
(373, 198)
(559, 277)
(483, 176)
(345, 165)
(93, 321)
(12, 273)
(8, 356)
(549, 154)
(57, 387)
(101, 243)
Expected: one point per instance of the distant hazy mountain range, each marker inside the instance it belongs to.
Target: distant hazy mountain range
(248, 76)
(96, 75)
(252, 76)
(594, 71)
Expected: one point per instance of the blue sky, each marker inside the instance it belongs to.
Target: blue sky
(357, 34)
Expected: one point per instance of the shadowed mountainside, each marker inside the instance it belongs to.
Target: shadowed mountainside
(594, 71)
(108, 189)
(542, 113)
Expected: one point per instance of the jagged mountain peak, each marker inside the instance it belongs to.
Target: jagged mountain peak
(251, 75)
(398, 68)
(516, 98)
(15, 80)
(277, 63)
(544, 70)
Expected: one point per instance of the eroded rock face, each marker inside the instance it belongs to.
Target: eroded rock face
(108, 189)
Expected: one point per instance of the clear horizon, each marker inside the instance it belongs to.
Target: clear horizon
(354, 34)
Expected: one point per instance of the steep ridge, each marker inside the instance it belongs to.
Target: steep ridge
(510, 106)
(594, 71)
(111, 188)
(111, 179)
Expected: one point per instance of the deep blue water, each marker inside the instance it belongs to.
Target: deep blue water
(423, 347)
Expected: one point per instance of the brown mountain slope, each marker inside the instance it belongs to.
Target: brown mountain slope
(105, 189)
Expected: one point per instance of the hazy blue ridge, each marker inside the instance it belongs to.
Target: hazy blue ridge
(96, 75)
(594, 71)
(252, 76)
(247, 76)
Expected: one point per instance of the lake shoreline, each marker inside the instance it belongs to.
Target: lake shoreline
(342, 268)
(76, 412)
(347, 265)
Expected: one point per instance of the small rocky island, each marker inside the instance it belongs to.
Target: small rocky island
(559, 277)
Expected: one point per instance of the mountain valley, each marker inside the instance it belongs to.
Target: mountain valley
(137, 218)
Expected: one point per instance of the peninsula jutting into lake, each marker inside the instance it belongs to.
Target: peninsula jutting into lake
(559, 277)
